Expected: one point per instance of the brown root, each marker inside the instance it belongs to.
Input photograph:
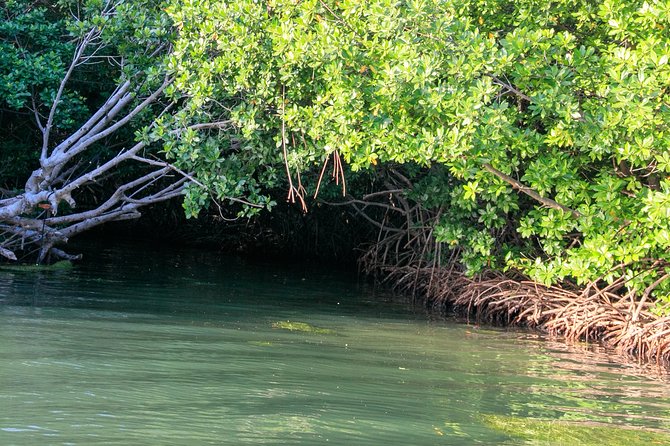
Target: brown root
(408, 257)
(591, 315)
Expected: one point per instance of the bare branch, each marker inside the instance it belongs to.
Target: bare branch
(83, 145)
(79, 51)
(375, 222)
(223, 125)
(245, 202)
(60, 175)
(90, 176)
(116, 198)
(36, 113)
(382, 193)
(365, 204)
(155, 162)
(120, 95)
(59, 253)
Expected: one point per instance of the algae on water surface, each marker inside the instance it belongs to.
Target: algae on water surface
(303, 327)
(562, 433)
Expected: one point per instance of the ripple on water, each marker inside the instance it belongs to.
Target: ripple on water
(158, 354)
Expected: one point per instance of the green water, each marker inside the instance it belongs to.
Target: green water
(163, 348)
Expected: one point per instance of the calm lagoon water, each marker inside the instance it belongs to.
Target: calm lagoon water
(156, 347)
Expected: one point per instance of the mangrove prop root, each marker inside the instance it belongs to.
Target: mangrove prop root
(408, 256)
(591, 314)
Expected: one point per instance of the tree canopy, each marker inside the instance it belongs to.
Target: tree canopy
(535, 135)
(549, 122)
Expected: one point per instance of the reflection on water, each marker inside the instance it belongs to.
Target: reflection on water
(180, 348)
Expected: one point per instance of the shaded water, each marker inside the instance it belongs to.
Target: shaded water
(184, 348)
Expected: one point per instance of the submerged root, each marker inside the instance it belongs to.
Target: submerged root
(591, 314)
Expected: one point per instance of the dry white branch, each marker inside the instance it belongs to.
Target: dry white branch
(30, 221)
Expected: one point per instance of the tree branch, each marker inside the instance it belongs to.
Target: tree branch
(83, 145)
(507, 86)
(119, 95)
(46, 128)
(530, 192)
(375, 222)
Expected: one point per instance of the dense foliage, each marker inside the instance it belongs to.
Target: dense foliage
(531, 136)
(546, 125)
(33, 60)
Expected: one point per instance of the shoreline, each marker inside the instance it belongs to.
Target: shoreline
(591, 314)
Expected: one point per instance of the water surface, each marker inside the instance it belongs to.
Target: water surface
(149, 347)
